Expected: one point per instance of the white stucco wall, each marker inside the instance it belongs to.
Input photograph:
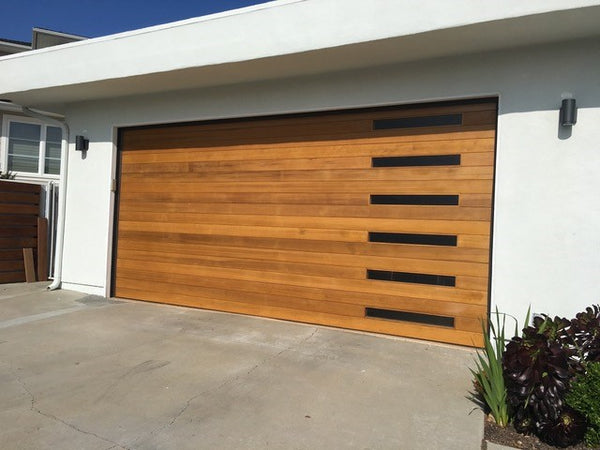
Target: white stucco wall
(547, 212)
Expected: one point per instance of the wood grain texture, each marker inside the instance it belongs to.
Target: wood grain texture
(271, 217)
(19, 213)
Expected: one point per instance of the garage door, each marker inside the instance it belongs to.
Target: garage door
(374, 220)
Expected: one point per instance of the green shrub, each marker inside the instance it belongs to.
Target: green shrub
(584, 397)
(488, 377)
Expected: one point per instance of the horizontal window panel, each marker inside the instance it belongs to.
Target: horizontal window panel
(427, 319)
(23, 148)
(414, 199)
(419, 239)
(418, 122)
(22, 164)
(30, 131)
(414, 161)
(52, 166)
(53, 150)
(408, 277)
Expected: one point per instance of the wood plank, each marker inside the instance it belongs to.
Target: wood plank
(295, 121)
(368, 187)
(18, 220)
(12, 277)
(15, 208)
(186, 137)
(337, 226)
(28, 198)
(373, 325)
(364, 286)
(327, 149)
(261, 198)
(15, 265)
(279, 162)
(19, 232)
(373, 211)
(29, 265)
(440, 307)
(11, 255)
(255, 231)
(396, 302)
(299, 250)
(42, 249)
(254, 298)
(266, 130)
(311, 263)
(19, 243)
(378, 174)
(14, 186)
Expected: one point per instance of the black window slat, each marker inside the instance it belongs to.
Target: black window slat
(408, 277)
(415, 161)
(405, 316)
(409, 238)
(434, 200)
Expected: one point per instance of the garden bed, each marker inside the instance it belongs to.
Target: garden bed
(508, 436)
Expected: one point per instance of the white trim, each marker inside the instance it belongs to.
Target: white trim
(57, 33)
(29, 176)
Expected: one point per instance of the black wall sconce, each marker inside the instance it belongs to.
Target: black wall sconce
(568, 112)
(81, 143)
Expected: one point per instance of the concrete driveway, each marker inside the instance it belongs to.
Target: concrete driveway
(83, 372)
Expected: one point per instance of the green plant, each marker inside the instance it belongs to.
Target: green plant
(488, 377)
(584, 397)
(7, 175)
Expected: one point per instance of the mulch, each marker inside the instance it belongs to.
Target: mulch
(509, 437)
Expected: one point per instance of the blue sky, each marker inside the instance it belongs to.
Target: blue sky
(94, 18)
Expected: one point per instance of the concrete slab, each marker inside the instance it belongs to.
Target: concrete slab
(83, 372)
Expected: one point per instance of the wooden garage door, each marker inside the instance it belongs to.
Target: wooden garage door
(376, 220)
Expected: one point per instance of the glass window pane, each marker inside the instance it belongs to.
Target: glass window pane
(23, 156)
(52, 163)
(53, 134)
(24, 147)
(22, 164)
(52, 166)
(29, 131)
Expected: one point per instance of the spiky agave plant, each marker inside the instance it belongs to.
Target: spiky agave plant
(488, 377)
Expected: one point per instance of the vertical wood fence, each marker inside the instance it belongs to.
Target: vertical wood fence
(23, 234)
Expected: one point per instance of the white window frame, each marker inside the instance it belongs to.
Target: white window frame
(6, 121)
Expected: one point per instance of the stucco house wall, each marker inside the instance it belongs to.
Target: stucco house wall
(546, 209)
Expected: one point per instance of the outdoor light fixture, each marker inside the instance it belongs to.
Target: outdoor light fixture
(81, 143)
(568, 112)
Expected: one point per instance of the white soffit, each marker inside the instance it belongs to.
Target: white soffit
(285, 38)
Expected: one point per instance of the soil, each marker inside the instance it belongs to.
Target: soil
(509, 437)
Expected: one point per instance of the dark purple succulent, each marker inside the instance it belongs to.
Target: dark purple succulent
(537, 372)
(568, 429)
(584, 334)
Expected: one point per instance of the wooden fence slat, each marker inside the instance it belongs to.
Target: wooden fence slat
(29, 266)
